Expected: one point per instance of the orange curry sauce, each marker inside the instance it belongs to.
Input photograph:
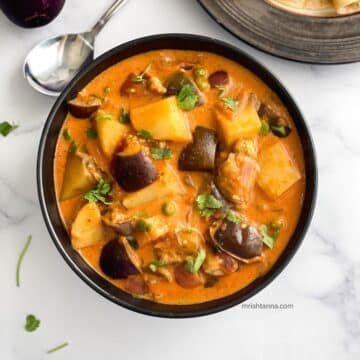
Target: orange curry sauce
(261, 210)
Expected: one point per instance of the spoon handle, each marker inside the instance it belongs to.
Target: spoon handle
(106, 16)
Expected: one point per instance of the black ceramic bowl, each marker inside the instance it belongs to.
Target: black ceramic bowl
(45, 178)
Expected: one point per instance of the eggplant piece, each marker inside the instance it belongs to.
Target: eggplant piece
(133, 169)
(219, 78)
(129, 87)
(33, 13)
(177, 81)
(200, 154)
(83, 109)
(242, 242)
(115, 262)
(278, 125)
(185, 278)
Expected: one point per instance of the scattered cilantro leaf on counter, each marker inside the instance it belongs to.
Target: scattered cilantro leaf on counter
(20, 259)
(144, 134)
(56, 348)
(187, 97)
(99, 193)
(32, 323)
(230, 102)
(91, 133)
(160, 153)
(194, 266)
(233, 217)
(153, 265)
(206, 203)
(124, 117)
(6, 128)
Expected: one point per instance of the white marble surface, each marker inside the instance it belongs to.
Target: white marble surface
(323, 280)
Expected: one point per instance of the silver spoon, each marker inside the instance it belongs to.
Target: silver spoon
(51, 65)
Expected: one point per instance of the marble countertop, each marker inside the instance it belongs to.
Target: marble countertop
(322, 282)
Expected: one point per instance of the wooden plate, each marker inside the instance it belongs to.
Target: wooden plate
(321, 40)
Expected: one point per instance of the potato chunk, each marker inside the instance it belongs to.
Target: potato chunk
(277, 171)
(110, 133)
(245, 125)
(167, 185)
(77, 178)
(87, 228)
(163, 119)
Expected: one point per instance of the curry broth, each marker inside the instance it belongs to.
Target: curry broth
(290, 203)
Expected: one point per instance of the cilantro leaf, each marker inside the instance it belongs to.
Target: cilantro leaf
(99, 117)
(160, 153)
(144, 134)
(99, 193)
(20, 259)
(194, 266)
(187, 97)
(124, 117)
(91, 133)
(133, 242)
(206, 203)
(143, 226)
(233, 217)
(67, 135)
(265, 128)
(230, 102)
(267, 239)
(140, 78)
(153, 265)
(32, 323)
(56, 348)
(6, 128)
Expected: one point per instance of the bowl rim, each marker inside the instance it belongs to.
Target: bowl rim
(136, 304)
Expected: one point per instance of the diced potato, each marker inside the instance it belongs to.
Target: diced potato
(157, 228)
(189, 240)
(277, 171)
(163, 119)
(167, 185)
(77, 179)
(87, 228)
(110, 133)
(245, 125)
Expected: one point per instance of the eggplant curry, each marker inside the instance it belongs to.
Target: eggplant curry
(179, 176)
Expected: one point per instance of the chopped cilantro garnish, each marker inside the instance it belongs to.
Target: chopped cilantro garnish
(160, 153)
(194, 266)
(99, 193)
(20, 259)
(206, 203)
(187, 98)
(91, 133)
(230, 102)
(144, 134)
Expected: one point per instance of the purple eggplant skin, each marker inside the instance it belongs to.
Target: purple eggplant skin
(31, 13)
(134, 171)
(83, 109)
(115, 262)
(243, 242)
(200, 154)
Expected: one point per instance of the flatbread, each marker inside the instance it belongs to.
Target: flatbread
(320, 8)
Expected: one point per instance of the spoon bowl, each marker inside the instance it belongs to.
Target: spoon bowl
(53, 63)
